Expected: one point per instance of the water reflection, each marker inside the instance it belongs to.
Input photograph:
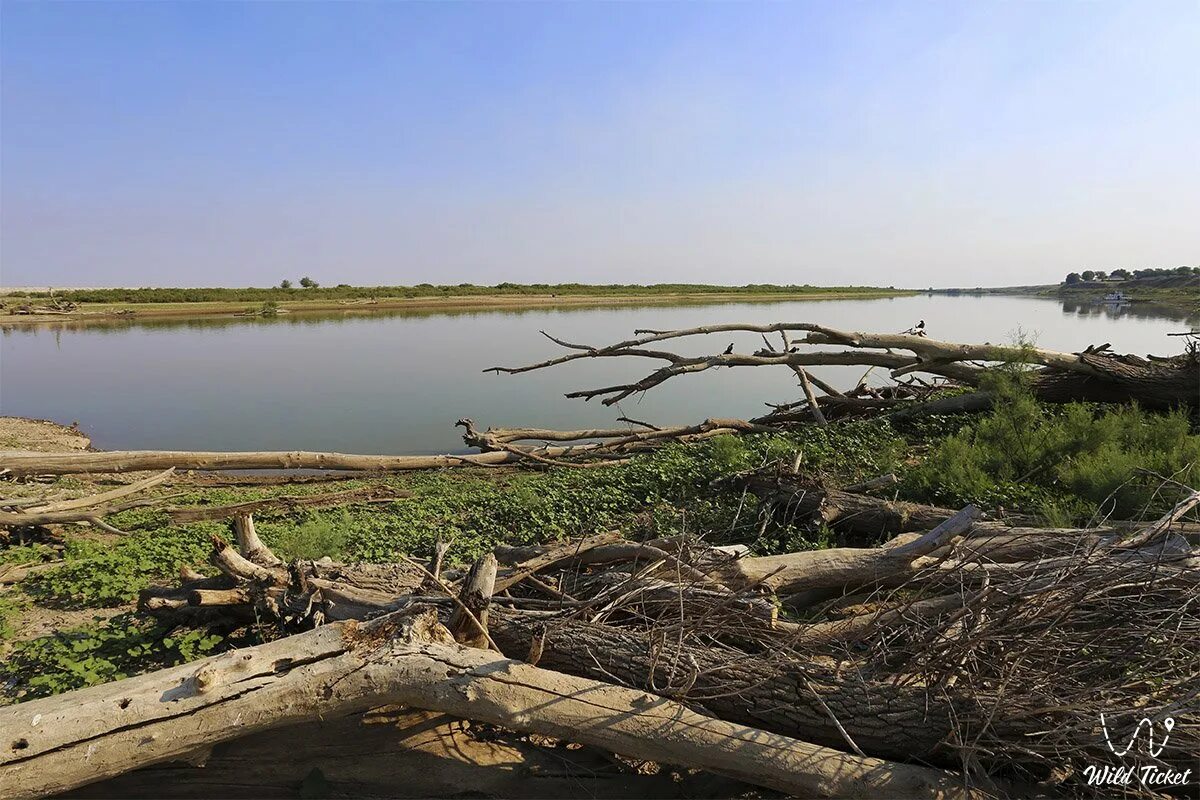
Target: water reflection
(1143, 309)
(395, 381)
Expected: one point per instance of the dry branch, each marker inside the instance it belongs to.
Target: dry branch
(1090, 375)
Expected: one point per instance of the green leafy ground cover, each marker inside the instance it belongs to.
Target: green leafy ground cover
(1069, 463)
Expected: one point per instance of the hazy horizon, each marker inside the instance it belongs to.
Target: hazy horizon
(909, 144)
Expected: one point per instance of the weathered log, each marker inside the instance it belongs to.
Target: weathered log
(1158, 384)
(234, 564)
(795, 497)
(468, 623)
(92, 515)
(70, 740)
(904, 722)
(15, 573)
(104, 497)
(20, 462)
(219, 597)
(843, 566)
(250, 545)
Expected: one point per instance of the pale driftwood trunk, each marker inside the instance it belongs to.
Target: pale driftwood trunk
(19, 462)
(843, 566)
(468, 623)
(91, 501)
(67, 741)
(499, 451)
(251, 545)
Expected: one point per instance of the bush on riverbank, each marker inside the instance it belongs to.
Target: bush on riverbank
(1067, 463)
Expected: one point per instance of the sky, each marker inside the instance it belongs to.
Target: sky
(873, 143)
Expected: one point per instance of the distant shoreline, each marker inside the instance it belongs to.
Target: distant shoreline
(110, 312)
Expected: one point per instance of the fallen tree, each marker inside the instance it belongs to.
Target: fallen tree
(499, 448)
(91, 509)
(1092, 375)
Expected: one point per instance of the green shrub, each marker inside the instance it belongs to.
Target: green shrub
(315, 538)
(1067, 462)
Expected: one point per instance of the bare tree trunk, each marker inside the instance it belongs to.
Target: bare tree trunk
(20, 462)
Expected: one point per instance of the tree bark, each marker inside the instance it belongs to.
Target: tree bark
(900, 722)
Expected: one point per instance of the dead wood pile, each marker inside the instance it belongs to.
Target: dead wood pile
(971, 654)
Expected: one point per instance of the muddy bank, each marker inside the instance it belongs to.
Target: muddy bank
(40, 435)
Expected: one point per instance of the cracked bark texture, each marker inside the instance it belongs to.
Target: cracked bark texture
(903, 722)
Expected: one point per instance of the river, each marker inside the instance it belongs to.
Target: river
(396, 382)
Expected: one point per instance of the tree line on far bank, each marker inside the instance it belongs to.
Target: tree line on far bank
(1126, 274)
(310, 289)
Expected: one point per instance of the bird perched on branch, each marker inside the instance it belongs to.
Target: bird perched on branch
(916, 330)
(728, 350)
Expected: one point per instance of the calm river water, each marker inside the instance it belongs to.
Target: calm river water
(395, 383)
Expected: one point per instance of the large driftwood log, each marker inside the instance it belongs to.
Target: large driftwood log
(91, 501)
(497, 446)
(915, 655)
(20, 462)
(405, 658)
(794, 498)
(797, 699)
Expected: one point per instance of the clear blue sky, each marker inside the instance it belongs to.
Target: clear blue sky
(906, 143)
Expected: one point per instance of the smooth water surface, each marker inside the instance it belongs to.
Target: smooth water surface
(395, 383)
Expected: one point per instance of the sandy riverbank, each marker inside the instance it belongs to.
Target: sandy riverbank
(107, 312)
